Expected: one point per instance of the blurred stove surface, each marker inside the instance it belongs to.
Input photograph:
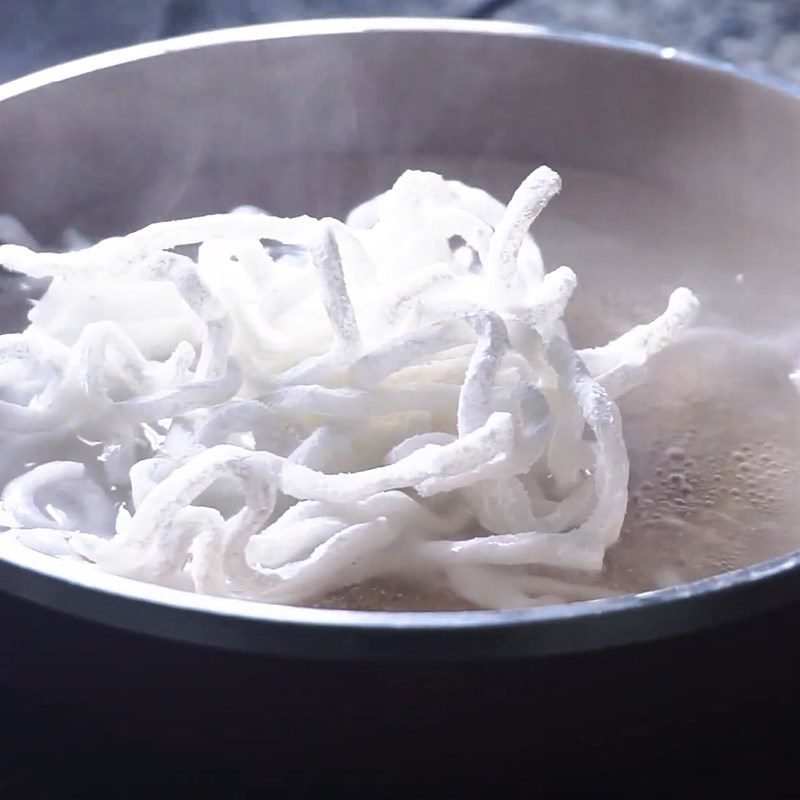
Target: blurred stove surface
(761, 35)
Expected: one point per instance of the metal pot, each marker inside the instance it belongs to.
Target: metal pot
(312, 117)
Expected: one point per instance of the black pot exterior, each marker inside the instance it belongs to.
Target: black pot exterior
(96, 684)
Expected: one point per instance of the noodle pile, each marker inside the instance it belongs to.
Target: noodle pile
(278, 408)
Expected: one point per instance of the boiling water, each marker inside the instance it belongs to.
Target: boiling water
(714, 443)
(714, 434)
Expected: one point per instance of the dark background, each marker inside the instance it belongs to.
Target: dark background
(37, 761)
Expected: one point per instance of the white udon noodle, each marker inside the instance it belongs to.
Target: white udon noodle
(391, 396)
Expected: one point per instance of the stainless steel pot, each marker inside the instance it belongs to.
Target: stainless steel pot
(312, 117)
